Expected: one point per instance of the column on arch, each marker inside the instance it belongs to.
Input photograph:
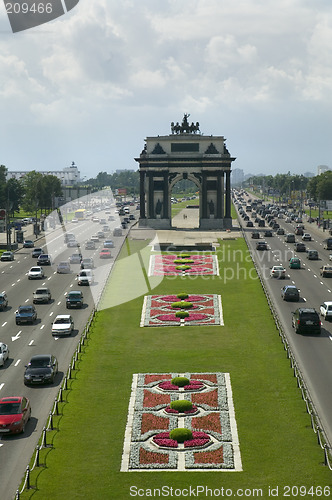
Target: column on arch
(219, 196)
(150, 196)
(228, 194)
(166, 197)
(142, 194)
(204, 196)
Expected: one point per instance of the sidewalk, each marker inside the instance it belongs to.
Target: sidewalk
(28, 234)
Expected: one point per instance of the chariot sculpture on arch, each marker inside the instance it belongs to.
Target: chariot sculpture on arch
(185, 127)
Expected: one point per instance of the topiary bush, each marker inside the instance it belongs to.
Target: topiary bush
(184, 256)
(181, 405)
(183, 268)
(183, 261)
(182, 304)
(181, 435)
(180, 381)
(181, 314)
(182, 295)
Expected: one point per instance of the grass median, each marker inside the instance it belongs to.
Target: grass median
(278, 447)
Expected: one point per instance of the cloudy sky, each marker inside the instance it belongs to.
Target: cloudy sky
(91, 85)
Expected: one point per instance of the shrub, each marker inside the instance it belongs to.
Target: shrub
(184, 255)
(183, 261)
(181, 435)
(182, 304)
(182, 295)
(183, 268)
(180, 381)
(181, 405)
(182, 314)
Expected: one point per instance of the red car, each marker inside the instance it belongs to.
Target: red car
(14, 414)
(105, 254)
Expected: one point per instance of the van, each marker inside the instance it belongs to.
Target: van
(328, 244)
(312, 254)
(290, 238)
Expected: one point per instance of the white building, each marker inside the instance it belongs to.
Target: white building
(68, 176)
(322, 168)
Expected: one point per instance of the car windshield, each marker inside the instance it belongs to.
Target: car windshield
(40, 363)
(25, 309)
(41, 290)
(61, 321)
(2, 299)
(10, 408)
(75, 295)
(35, 269)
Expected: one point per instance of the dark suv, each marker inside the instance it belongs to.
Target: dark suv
(306, 319)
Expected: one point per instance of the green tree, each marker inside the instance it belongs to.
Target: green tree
(32, 184)
(324, 186)
(3, 194)
(14, 195)
(50, 187)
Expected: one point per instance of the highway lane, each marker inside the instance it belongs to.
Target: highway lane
(27, 340)
(313, 353)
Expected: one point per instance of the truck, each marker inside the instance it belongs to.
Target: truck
(328, 244)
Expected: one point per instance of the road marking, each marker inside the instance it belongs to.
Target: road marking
(305, 300)
(31, 342)
(42, 327)
(1, 386)
(17, 362)
(4, 324)
(27, 300)
(17, 336)
(59, 303)
(51, 313)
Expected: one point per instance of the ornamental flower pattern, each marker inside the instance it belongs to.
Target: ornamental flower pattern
(214, 444)
(164, 265)
(157, 310)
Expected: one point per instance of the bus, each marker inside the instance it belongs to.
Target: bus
(80, 214)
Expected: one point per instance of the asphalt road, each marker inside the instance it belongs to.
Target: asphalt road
(313, 352)
(25, 341)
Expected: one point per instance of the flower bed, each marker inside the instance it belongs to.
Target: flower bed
(172, 265)
(158, 311)
(213, 443)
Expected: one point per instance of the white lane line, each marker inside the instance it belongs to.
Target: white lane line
(31, 342)
(4, 324)
(51, 313)
(17, 362)
(27, 300)
(59, 303)
(42, 327)
(1, 386)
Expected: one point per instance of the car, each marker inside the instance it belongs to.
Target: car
(306, 320)
(75, 258)
(41, 369)
(300, 247)
(101, 235)
(294, 263)
(132, 217)
(74, 299)
(15, 411)
(290, 238)
(95, 238)
(85, 277)
(290, 292)
(72, 243)
(117, 231)
(261, 245)
(111, 218)
(106, 228)
(255, 235)
(4, 353)
(90, 245)
(74, 221)
(326, 310)
(69, 236)
(278, 272)
(41, 296)
(105, 254)
(249, 223)
(261, 223)
(280, 231)
(36, 252)
(306, 237)
(108, 244)
(62, 325)
(330, 256)
(326, 271)
(28, 244)
(63, 268)
(7, 256)
(25, 314)
(3, 301)
(299, 231)
(36, 272)
(87, 263)
(268, 234)
(44, 259)
(123, 225)
(312, 255)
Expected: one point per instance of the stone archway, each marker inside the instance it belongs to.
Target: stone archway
(185, 154)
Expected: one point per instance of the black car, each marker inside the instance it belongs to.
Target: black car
(300, 247)
(261, 245)
(255, 235)
(268, 234)
(28, 244)
(3, 301)
(44, 259)
(41, 369)
(306, 320)
(25, 314)
(290, 292)
(74, 299)
(36, 252)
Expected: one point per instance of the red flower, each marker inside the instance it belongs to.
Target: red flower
(151, 399)
(209, 422)
(209, 457)
(151, 422)
(149, 457)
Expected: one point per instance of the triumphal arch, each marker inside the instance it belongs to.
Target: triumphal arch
(185, 153)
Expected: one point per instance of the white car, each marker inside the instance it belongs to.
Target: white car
(326, 310)
(278, 272)
(85, 277)
(4, 353)
(36, 272)
(306, 237)
(62, 325)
